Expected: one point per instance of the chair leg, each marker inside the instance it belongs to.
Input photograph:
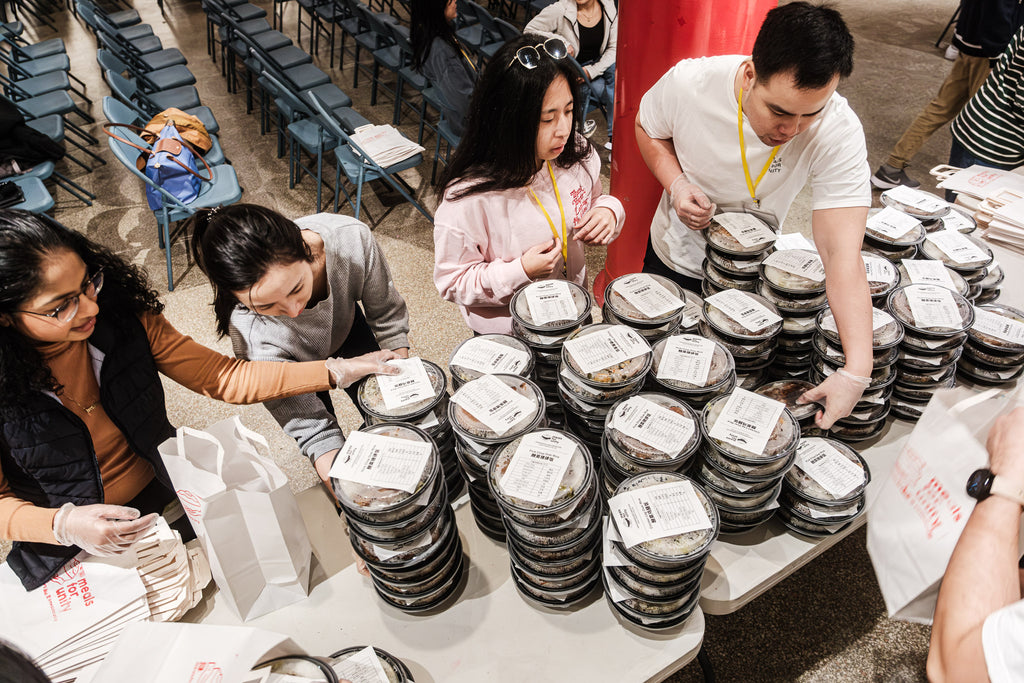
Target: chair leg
(73, 188)
(399, 86)
(319, 177)
(373, 83)
(398, 186)
(103, 162)
(359, 193)
(84, 116)
(166, 230)
(89, 140)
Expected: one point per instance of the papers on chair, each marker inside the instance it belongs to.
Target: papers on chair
(385, 144)
(73, 620)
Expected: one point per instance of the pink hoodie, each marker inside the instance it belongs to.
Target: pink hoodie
(478, 239)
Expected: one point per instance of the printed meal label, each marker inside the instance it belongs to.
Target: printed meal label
(691, 315)
(550, 301)
(927, 360)
(687, 359)
(748, 230)
(362, 667)
(957, 246)
(497, 405)
(879, 319)
(922, 201)
(933, 306)
(954, 220)
(793, 240)
(834, 512)
(929, 273)
(747, 420)
(385, 554)
(411, 386)
(606, 348)
(892, 223)
(798, 262)
(998, 326)
(657, 511)
(647, 295)
(823, 463)
(382, 461)
(743, 309)
(489, 357)
(654, 425)
(537, 467)
(879, 269)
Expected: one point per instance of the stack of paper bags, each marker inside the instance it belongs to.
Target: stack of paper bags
(981, 181)
(1005, 219)
(74, 619)
(384, 144)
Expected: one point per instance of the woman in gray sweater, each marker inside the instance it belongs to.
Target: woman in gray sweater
(437, 54)
(291, 291)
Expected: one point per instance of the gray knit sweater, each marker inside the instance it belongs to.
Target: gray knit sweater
(356, 272)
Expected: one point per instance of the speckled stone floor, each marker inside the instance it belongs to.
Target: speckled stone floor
(825, 623)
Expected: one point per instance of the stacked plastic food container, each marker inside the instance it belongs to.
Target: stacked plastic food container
(793, 280)
(419, 397)
(487, 354)
(868, 416)
(892, 233)
(965, 254)
(936, 321)
(545, 484)
(600, 364)
(824, 490)
(389, 481)
(487, 413)
(652, 305)
(746, 324)
(544, 314)
(647, 432)
(883, 277)
(750, 442)
(691, 368)
(788, 392)
(657, 539)
(994, 351)
(353, 663)
(736, 245)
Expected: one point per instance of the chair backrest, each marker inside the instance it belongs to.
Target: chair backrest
(87, 11)
(110, 62)
(485, 19)
(128, 92)
(507, 30)
(287, 94)
(119, 112)
(334, 128)
(375, 23)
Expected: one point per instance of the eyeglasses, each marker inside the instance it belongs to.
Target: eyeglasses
(529, 55)
(66, 312)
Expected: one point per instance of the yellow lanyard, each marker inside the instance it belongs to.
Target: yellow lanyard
(469, 61)
(751, 184)
(565, 242)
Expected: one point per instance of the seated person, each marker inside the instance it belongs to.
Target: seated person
(438, 55)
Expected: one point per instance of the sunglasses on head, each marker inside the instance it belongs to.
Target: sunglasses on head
(529, 55)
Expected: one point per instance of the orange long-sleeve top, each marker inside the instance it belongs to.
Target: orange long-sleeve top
(124, 474)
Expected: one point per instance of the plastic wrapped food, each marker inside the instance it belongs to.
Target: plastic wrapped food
(781, 442)
(723, 323)
(468, 425)
(520, 308)
(371, 400)
(464, 374)
(574, 483)
(622, 289)
(809, 488)
(899, 307)
(788, 391)
(887, 334)
(616, 375)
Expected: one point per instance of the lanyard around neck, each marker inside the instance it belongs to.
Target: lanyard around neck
(466, 56)
(751, 184)
(551, 223)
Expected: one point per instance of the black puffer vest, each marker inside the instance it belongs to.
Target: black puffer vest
(47, 453)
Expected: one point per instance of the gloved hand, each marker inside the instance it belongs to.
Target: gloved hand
(690, 203)
(841, 390)
(99, 529)
(346, 371)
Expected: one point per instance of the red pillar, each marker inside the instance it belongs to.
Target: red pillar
(653, 36)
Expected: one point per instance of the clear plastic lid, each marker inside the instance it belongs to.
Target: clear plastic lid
(783, 439)
(789, 303)
(1004, 339)
(724, 324)
(888, 334)
(965, 264)
(784, 280)
(520, 308)
(722, 240)
(467, 374)
(911, 237)
(470, 426)
(616, 375)
(372, 401)
(960, 285)
(636, 447)
(749, 266)
(724, 280)
(680, 548)
(722, 366)
(898, 305)
(571, 488)
(917, 203)
(788, 391)
(626, 294)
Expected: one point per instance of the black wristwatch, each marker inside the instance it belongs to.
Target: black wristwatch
(983, 484)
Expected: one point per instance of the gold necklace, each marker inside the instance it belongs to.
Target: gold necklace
(589, 15)
(88, 409)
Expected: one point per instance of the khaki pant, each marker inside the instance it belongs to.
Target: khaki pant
(966, 76)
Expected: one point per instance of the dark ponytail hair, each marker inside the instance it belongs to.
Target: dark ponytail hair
(26, 240)
(236, 245)
(427, 22)
(498, 150)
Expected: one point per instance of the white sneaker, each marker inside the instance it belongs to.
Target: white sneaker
(952, 52)
(589, 126)
(608, 145)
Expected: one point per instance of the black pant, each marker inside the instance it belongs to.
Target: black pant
(654, 265)
(360, 340)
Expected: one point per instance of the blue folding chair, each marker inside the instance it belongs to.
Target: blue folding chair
(37, 198)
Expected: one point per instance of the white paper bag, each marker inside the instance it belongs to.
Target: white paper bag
(244, 514)
(916, 517)
(199, 653)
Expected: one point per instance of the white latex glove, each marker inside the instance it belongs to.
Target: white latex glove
(99, 529)
(839, 393)
(690, 203)
(347, 371)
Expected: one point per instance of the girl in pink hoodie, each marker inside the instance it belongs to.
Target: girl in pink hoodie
(522, 193)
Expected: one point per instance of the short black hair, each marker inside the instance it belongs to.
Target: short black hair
(498, 150)
(809, 41)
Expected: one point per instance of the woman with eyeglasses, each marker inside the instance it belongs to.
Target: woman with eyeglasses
(523, 192)
(82, 344)
(297, 291)
(438, 55)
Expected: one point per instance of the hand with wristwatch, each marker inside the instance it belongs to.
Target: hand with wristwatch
(1004, 477)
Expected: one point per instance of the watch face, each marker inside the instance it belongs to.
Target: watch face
(979, 484)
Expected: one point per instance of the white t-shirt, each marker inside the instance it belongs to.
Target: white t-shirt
(1002, 639)
(694, 104)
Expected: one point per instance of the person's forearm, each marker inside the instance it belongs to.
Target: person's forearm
(981, 578)
(660, 157)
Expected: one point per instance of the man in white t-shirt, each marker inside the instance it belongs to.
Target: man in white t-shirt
(795, 128)
(978, 632)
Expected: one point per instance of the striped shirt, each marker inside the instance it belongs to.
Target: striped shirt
(991, 126)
